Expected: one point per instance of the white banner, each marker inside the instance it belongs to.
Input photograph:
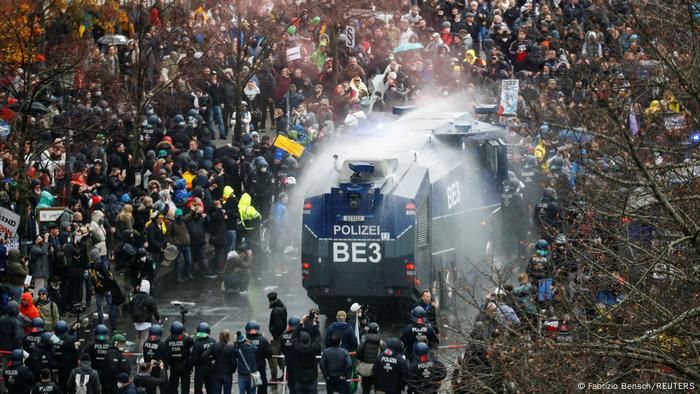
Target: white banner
(509, 97)
(350, 34)
(9, 222)
(49, 214)
(293, 53)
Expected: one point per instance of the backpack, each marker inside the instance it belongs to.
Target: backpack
(81, 383)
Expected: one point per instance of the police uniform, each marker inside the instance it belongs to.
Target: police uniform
(41, 357)
(390, 372)
(18, 379)
(98, 357)
(548, 216)
(31, 340)
(263, 352)
(203, 371)
(155, 349)
(425, 375)
(178, 350)
(65, 358)
(410, 337)
(287, 349)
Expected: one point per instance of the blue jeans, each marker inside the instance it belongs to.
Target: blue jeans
(306, 388)
(244, 386)
(215, 111)
(544, 290)
(231, 240)
(186, 253)
(100, 299)
(222, 381)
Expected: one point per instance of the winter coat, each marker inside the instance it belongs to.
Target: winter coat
(246, 351)
(307, 365)
(369, 349)
(16, 271)
(11, 332)
(335, 362)
(346, 333)
(98, 232)
(177, 233)
(142, 307)
(39, 261)
(49, 313)
(30, 311)
(278, 318)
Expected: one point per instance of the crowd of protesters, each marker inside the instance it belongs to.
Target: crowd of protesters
(197, 194)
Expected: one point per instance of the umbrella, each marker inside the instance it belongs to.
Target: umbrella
(408, 47)
(113, 39)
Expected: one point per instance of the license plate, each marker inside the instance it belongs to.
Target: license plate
(353, 218)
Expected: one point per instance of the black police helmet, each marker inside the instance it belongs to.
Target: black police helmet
(421, 349)
(549, 193)
(46, 338)
(204, 327)
(155, 331)
(394, 344)
(61, 327)
(37, 322)
(17, 356)
(294, 321)
(176, 328)
(252, 327)
(101, 332)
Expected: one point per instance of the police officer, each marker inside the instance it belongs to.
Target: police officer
(115, 363)
(42, 355)
(287, 349)
(390, 371)
(514, 218)
(532, 179)
(548, 214)
(178, 350)
(539, 271)
(558, 179)
(34, 336)
(426, 372)
(66, 353)
(417, 328)
(18, 377)
(203, 371)
(46, 385)
(154, 351)
(263, 351)
(98, 351)
(154, 347)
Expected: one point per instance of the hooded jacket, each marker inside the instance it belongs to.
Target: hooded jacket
(45, 200)
(346, 333)
(30, 311)
(86, 373)
(49, 312)
(98, 232)
(16, 271)
(306, 351)
(278, 318)
(11, 328)
(247, 212)
(181, 193)
(369, 348)
(39, 261)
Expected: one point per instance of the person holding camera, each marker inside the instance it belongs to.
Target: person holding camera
(151, 375)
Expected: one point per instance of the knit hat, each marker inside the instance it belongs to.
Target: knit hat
(341, 315)
(123, 378)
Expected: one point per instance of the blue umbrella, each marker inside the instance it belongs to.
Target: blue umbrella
(412, 46)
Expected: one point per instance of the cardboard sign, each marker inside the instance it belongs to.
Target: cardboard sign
(293, 53)
(9, 222)
(49, 214)
(287, 145)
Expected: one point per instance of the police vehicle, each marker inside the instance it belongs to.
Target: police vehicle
(384, 227)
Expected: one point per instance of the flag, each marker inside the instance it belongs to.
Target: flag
(634, 127)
